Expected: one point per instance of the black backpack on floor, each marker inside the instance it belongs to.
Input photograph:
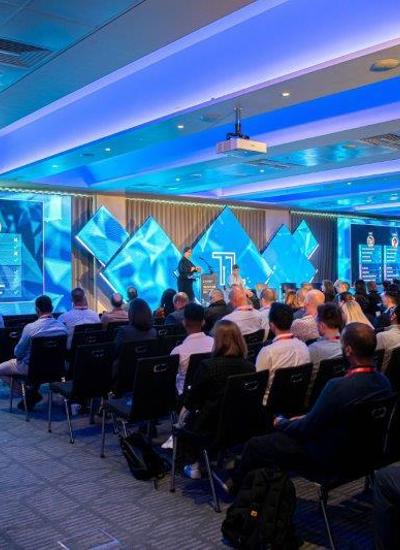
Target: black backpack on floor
(144, 463)
(261, 516)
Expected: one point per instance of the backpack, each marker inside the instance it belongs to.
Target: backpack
(261, 517)
(144, 463)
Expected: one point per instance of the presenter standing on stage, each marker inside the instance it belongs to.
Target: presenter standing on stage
(186, 270)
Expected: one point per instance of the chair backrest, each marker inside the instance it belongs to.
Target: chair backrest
(154, 389)
(253, 350)
(169, 342)
(112, 328)
(19, 320)
(92, 370)
(379, 355)
(255, 337)
(85, 339)
(328, 368)
(47, 359)
(9, 337)
(242, 413)
(87, 327)
(193, 367)
(130, 353)
(393, 369)
(169, 330)
(288, 390)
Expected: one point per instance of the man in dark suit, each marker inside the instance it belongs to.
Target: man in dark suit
(321, 439)
(186, 270)
(217, 309)
(176, 317)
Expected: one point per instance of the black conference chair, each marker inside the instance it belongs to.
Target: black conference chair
(9, 338)
(368, 423)
(193, 367)
(88, 327)
(253, 350)
(92, 378)
(169, 342)
(379, 355)
(154, 395)
(255, 337)
(393, 369)
(328, 369)
(13, 321)
(125, 365)
(46, 365)
(235, 425)
(112, 328)
(170, 330)
(85, 338)
(288, 390)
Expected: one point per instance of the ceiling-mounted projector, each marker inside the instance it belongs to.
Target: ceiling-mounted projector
(239, 145)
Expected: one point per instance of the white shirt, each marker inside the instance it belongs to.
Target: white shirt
(388, 340)
(193, 343)
(77, 316)
(265, 315)
(325, 348)
(248, 319)
(305, 328)
(285, 351)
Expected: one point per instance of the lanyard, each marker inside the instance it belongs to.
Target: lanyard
(283, 337)
(361, 370)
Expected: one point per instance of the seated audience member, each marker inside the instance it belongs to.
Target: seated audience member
(341, 286)
(300, 297)
(216, 310)
(180, 301)
(330, 323)
(386, 490)
(253, 298)
(321, 440)
(352, 313)
(307, 286)
(131, 294)
(375, 300)
(361, 296)
(267, 298)
(389, 339)
(390, 301)
(306, 329)
(247, 318)
(195, 342)
(205, 399)
(291, 300)
(118, 313)
(80, 314)
(45, 325)
(140, 325)
(1, 321)
(285, 350)
(166, 304)
(329, 290)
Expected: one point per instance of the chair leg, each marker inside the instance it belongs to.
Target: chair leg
(50, 410)
(71, 435)
(173, 465)
(91, 411)
(115, 425)
(217, 507)
(103, 432)
(11, 392)
(124, 430)
(323, 499)
(23, 388)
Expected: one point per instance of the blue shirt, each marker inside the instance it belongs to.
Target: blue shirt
(44, 326)
(77, 316)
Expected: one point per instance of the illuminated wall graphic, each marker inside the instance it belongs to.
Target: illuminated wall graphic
(35, 251)
(148, 259)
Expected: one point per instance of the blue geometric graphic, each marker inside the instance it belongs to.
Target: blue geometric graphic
(103, 235)
(287, 259)
(225, 243)
(146, 261)
(308, 244)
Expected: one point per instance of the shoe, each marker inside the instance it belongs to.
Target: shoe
(32, 398)
(192, 471)
(169, 444)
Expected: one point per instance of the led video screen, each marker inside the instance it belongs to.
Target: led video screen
(35, 251)
(368, 249)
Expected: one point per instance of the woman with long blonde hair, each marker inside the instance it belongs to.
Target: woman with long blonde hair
(352, 313)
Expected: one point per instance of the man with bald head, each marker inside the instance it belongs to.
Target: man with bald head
(118, 313)
(247, 318)
(306, 328)
(216, 310)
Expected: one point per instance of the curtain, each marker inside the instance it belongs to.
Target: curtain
(83, 264)
(185, 222)
(324, 229)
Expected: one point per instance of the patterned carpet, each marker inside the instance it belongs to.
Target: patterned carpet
(57, 495)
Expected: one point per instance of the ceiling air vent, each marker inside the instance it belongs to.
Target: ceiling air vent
(385, 140)
(21, 55)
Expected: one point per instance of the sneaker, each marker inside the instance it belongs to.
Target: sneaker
(169, 444)
(192, 471)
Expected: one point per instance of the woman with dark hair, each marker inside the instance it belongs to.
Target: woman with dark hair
(140, 325)
(205, 398)
(291, 299)
(166, 304)
(329, 290)
(361, 296)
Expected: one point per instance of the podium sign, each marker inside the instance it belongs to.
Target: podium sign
(208, 282)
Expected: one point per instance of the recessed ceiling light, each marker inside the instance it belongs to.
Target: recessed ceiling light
(54, 165)
(285, 94)
(180, 126)
(383, 65)
(262, 171)
(348, 183)
(177, 179)
(107, 149)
